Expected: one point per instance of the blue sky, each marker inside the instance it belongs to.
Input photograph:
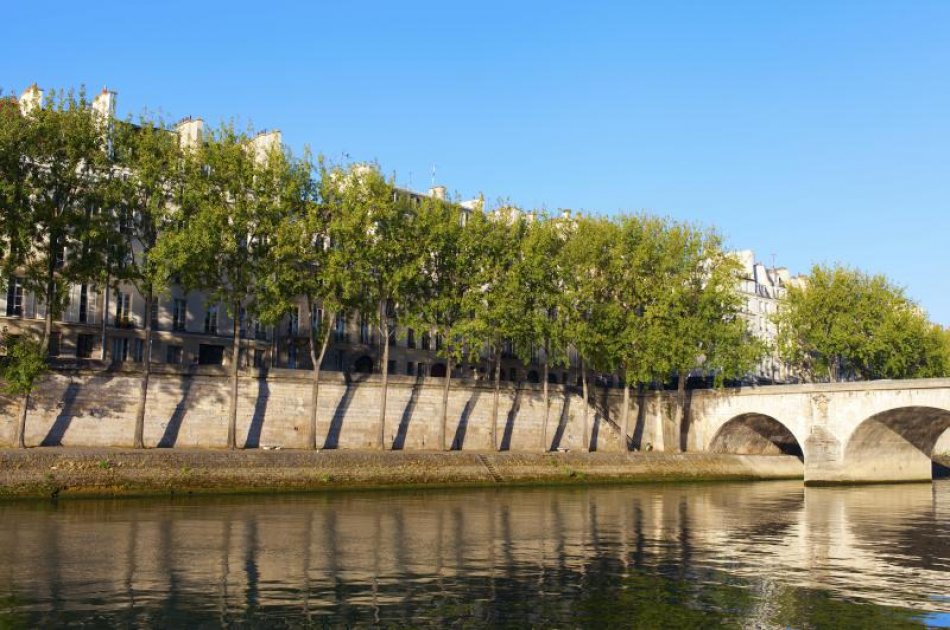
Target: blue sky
(814, 131)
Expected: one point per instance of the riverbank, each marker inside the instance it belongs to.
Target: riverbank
(78, 472)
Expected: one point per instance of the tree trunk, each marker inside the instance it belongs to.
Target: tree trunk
(317, 362)
(625, 420)
(139, 440)
(384, 368)
(446, 386)
(105, 319)
(547, 410)
(494, 404)
(235, 359)
(585, 406)
(20, 439)
(681, 418)
(50, 295)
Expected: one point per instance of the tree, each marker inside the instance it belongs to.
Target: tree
(146, 182)
(446, 279)
(55, 191)
(377, 239)
(229, 207)
(591, 318)
(842, 323)
(302, 263)
(14, 238)
(492, 245)
(699, 321)
(538, 281)
(22, 367)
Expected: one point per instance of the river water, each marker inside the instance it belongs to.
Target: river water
(766, 554)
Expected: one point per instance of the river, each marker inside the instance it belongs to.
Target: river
(763, 554)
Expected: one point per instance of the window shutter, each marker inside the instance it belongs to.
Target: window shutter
(72, 309)
(92, 307)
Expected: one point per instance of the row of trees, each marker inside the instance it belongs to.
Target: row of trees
(844, 324)
(259, 230)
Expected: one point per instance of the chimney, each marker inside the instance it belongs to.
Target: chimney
(437, 192)
(31, 98)
(265, 142)
(104, 104)
(189, 132)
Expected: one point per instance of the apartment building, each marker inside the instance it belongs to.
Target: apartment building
(763, 289)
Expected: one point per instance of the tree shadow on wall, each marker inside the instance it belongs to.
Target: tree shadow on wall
(260, 410)
(510, 421)
(336, 421)
(54, 437)
(399, 442)
(595, 431)
(172, 428)
(636, 440)
(685, 420)
(459, 440)
(562, 421)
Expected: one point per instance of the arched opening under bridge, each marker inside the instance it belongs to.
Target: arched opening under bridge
(897, 445)
(755, 434)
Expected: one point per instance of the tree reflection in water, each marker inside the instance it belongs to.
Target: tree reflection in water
(768, 554)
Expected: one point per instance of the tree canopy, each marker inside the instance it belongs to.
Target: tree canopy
(842, 323)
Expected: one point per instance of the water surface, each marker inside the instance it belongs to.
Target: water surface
(766, 554)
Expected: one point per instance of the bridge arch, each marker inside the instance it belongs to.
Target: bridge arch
(755, 434)
(896, 444)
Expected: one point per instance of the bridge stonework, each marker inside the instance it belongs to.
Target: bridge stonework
(879, 431)
(849, 432)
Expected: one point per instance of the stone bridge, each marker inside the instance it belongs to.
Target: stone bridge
(879, 431)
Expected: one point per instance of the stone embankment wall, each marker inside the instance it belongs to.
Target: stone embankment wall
(112, 472)
(97, 408)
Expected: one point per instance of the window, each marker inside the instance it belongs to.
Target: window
(84, 346)
(410, 368)
(292, 357)
(120, 349)
(260, 331)
(316, 319)
(123, 304)
(210, 355)
(339, 360)
(365, 334)
(410, 338)
(426, 341)
(84, 304)
(258, 358)
(293, 325)
(179, 314)
(391, 367)
(15, 297)
(438, 341)
(340, 329)
(54, 343)
(173, 355)
(138, 350)
(211, 320)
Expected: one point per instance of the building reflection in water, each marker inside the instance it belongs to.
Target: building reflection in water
(772, 553)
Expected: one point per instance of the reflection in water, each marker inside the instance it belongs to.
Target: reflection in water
(751, 554)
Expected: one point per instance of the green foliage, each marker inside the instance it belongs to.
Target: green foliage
(23, 365)
(52, 179)
(843, 323)
(146, 179)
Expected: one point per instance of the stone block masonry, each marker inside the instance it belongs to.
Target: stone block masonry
(97, 409)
